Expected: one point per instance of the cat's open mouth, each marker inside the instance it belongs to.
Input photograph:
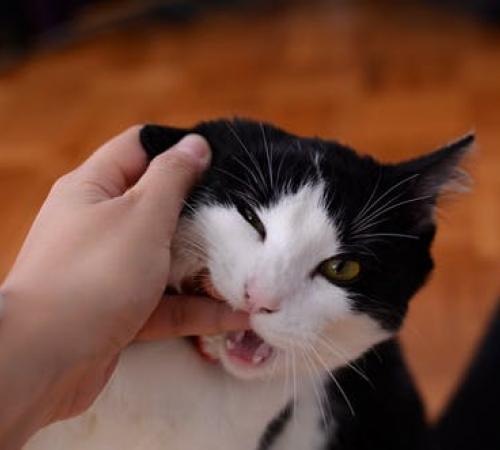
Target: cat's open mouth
(247, 347)
(244, 348)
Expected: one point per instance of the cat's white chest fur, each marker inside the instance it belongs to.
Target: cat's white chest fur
(163, 396)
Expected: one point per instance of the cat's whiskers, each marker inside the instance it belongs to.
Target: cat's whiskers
(317, 379)
(240, 180)
(196, 235)
(290, 385)
(332, 377)
(376, 353)
(399, 204)
(367, 206)
(194, 254)
(370, 225)
(329, 345)
(340, 222)
(192, 250)
(274, 367)
(365, 250)
(245, 197)
(205, 196)
(379, 306)
(362, 216)
(313, 166)
(257, 183)
(294, 374)
(192, 244)
(306, 344)
(268, 156)
(188, 206)
(368, 236)
(249, 197)
(280, 166)
(314, 384)
(202, 197)
(338, 352)
(316, 161)
(249, 154)
(286, 385)
(368, 221)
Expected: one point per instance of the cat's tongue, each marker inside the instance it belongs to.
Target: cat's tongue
(247, 347)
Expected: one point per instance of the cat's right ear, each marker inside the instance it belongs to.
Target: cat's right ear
(155, 139)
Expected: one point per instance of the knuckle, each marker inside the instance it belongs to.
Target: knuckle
(63, 182)
(131, 198)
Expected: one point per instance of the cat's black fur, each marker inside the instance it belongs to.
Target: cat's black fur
(388, 412)
(394, 251)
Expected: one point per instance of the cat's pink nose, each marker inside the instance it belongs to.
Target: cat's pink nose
(257, 301)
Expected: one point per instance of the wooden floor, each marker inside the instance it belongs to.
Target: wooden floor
(393, 83)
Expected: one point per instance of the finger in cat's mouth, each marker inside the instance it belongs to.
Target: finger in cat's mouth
(244, 348)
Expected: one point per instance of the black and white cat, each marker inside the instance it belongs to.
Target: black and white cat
(324, 248)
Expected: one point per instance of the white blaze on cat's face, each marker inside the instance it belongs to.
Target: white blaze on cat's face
(310, 314)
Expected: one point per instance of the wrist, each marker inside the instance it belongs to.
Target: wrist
(27, 381)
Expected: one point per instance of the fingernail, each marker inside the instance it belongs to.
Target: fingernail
(196, 146)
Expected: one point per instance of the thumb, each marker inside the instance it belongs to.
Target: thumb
(171, 175)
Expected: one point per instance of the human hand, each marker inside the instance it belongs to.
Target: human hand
(92, 271)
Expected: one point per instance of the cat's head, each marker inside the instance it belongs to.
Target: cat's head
(322, 246)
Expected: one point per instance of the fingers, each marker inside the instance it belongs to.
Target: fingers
(191, 316)
(171, 175)
(115, 166)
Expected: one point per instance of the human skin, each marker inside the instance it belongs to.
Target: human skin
(89, 280)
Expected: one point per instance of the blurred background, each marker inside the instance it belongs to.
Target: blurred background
(393, 79)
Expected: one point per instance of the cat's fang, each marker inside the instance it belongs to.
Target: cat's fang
(257, 359)
(230, 344)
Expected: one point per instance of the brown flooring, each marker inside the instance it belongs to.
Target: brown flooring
(394, 83)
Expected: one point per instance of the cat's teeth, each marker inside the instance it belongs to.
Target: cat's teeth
(263, 350)
(257, 359)
(229, 344)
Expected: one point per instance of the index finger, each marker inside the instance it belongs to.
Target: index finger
(181, 315)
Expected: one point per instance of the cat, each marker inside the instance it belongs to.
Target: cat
(324, 248)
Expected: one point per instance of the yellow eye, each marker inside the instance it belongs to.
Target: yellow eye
(339, 270)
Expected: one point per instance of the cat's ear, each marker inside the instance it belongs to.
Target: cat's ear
(156, 138)
(435, 173)
(440, 170)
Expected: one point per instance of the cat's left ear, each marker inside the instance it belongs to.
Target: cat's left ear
(435, 173)
(156, 138)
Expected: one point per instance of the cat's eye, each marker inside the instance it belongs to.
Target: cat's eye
(253, 219)
(340, 270)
